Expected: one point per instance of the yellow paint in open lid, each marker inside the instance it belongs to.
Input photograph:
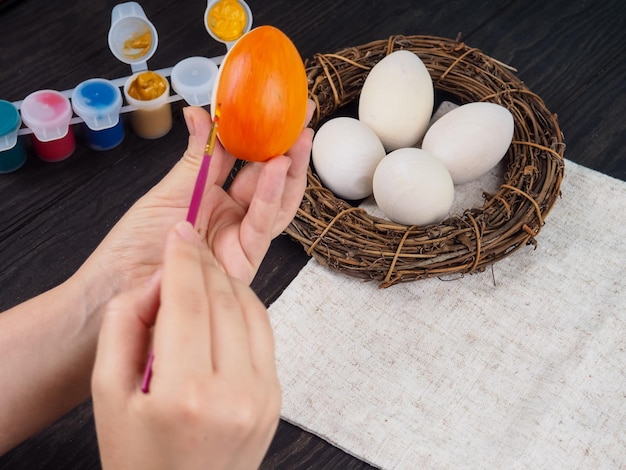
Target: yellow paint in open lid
(227, 20)
(132, 37)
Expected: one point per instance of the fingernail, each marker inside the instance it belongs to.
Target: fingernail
(186, 231)
(191, 127)
(310, 112)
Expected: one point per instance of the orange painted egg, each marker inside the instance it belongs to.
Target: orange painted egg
(260, 95)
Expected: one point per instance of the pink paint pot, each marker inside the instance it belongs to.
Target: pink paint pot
(47, 113)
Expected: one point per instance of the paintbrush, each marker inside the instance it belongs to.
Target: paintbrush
(192, 215)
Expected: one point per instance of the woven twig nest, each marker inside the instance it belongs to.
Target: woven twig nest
(348, 239)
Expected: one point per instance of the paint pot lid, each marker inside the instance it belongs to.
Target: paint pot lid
(9, 118)
(98, 102)
(47, 113)
(247, 27)
(193, 78)
(10, 122)
(133, 39)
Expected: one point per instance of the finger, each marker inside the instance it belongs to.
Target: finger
(301, 150)
(257, 226)
(182, 332)
(300, 153)
(243, 188)
(124, 339)
(310, 109)
(229, 334)
(296, 181)
(260, 334)
(199, 126)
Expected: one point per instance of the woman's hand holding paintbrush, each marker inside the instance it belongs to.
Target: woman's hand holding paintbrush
(215, 398)
(211, 334)
(239, 224)
(256, 208)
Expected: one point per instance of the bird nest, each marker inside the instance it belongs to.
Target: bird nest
(347, 238)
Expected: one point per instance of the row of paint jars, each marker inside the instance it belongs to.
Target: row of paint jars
(97, 102)
(48, 115)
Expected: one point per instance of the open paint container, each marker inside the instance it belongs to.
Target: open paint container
(133, 39)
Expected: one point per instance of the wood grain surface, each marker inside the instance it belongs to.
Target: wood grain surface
(52, 216)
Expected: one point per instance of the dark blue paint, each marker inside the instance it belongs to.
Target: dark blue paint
(104, 139)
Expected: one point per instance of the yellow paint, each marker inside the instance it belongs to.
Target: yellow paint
(138, 45)
(208, 149)
(147, 86)
(227, 19)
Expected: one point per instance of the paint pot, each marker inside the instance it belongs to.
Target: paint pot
(193, 79)
(133, 40)
(227, 20)
(47, 113)
(98, 102)
(12, 154)
(152, 117)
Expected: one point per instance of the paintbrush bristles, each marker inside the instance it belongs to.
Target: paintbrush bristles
(208, 149)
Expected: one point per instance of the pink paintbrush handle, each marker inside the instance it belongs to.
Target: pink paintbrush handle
(192, 215)
(198, 190)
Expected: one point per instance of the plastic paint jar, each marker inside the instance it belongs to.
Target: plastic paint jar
(47, 113)
(12, 154)
(98, 102)
(193, 79)
(149, 93)
(133, 39)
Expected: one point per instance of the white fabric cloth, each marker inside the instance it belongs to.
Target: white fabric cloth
(522, 366)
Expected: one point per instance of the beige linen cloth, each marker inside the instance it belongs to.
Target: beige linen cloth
(522, 366)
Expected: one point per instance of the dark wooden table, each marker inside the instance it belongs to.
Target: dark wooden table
(572, 53)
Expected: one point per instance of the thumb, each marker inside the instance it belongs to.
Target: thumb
(124, 339)
(199, 125)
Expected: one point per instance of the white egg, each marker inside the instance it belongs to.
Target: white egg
(412, 187)
(396, 99)
(471, 139)
(345, 154)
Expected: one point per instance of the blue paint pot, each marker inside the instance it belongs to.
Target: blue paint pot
(98, 102)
